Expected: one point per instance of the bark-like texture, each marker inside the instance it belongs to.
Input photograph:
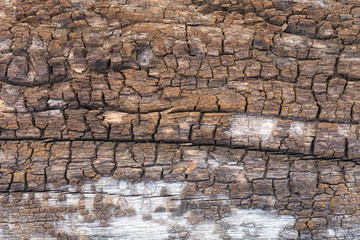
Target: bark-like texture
(179, 119)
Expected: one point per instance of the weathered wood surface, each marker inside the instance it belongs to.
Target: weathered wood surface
(202, 119)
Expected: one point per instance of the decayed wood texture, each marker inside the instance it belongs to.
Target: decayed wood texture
(202, 119)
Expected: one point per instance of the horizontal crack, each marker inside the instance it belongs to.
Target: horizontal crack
(187, 143)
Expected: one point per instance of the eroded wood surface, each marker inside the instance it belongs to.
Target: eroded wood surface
(203, 119)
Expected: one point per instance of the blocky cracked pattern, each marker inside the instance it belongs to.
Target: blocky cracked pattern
(179, 119)
(74, 189)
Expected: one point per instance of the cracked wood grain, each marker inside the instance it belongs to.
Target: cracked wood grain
(202, 119)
